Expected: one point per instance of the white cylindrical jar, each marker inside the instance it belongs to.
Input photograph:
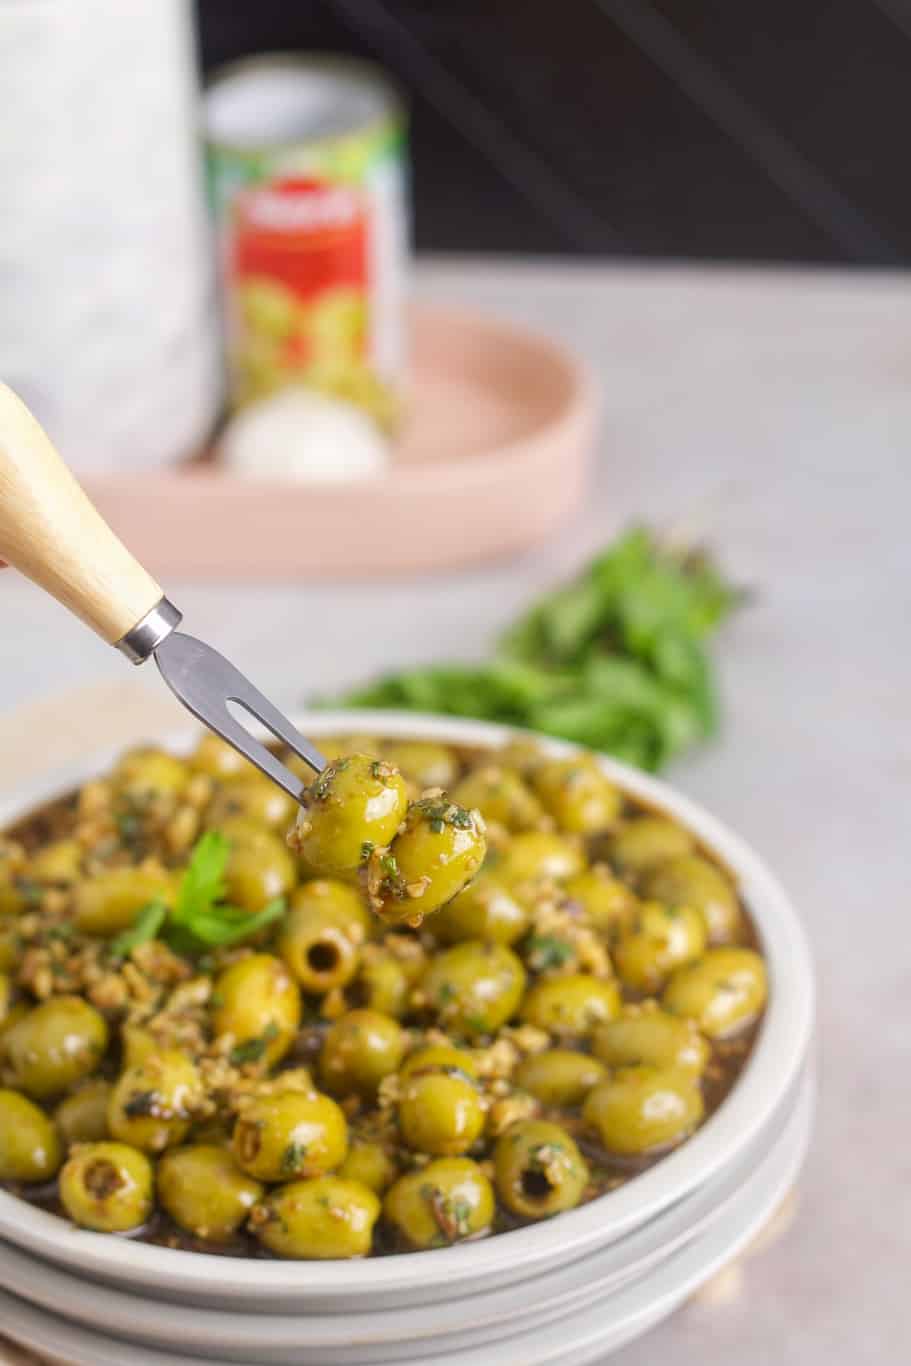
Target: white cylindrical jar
(107, 321)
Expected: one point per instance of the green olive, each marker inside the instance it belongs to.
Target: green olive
(571, 1006)
(409, 953)
(607, 903)
(29, 1144)
(260, 865)
(83, 1116)
(321, 1220)
(485, 909)
(538, 1169)
(58, 862)
(690, 880)
(56, 1045)
(153, 1103)
(321, 937)
(12, 897)
(439, 1057)
(369, 1163)
(440, 849)
(107, 1187)
(108, 902)
(523, 754)
(440, 1114)
(444, 1202)
(537, 855)
(136, 1044)
(382, 983)
(204, 1191)
(578, 794)
(268, 308)
(288, 1134)
(660, 939)
(334, 747)
(559, 1077)
(474, 988)
(359, 1050)
(644, 841)
(146, 773)
(423, 762)
(646, 1034)
(217, 759)
(14, 1013)
(357, 803)
(640, 1109)
(258, 1003)
(341, 898)
(501, 796)
(8, 949)
(724, 991)
(253, 799)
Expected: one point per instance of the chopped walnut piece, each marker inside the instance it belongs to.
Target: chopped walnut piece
(504, 1112)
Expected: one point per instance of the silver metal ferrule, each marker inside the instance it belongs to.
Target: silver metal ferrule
(148, 633)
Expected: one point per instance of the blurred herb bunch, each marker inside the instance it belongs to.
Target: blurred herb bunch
(616, 659)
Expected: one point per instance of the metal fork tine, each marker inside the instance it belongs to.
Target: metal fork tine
(252, 700)
(205, 682)
(230, 729)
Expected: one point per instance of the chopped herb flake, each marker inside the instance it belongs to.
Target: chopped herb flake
(141, 1104)
(252, 1050)
(292, 1158)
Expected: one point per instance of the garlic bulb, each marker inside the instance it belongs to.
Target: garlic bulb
(300, 435)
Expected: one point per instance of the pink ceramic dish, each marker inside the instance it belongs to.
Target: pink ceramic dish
(492, 461)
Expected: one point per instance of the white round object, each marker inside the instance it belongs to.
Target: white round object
(108, 327)
(301, 435)
(416, 1279)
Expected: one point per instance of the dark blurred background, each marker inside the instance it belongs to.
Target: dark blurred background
(708, 129)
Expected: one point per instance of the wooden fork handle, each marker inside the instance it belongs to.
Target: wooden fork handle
(52, 533)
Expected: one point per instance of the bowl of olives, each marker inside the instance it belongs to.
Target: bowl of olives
(483, 1007)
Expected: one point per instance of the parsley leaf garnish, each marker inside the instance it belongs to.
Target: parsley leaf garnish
(615, 660)
(200, 919)
(145, 927)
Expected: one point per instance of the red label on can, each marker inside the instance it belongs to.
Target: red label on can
(308, 234)
(299, 264)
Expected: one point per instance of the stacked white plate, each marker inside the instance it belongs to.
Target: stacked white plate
(563, 1292)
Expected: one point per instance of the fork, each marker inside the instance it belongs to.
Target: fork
(52, 533)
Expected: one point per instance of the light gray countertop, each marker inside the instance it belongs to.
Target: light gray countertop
(770, 412)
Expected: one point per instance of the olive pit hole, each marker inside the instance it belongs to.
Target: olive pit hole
(323, 956)
(535, 1185)
(102, 1179)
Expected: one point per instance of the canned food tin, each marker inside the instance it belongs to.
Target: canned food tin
(306, 164)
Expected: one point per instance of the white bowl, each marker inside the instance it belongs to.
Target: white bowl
(242, 1334)
(427, 1277)
(78, 1330)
